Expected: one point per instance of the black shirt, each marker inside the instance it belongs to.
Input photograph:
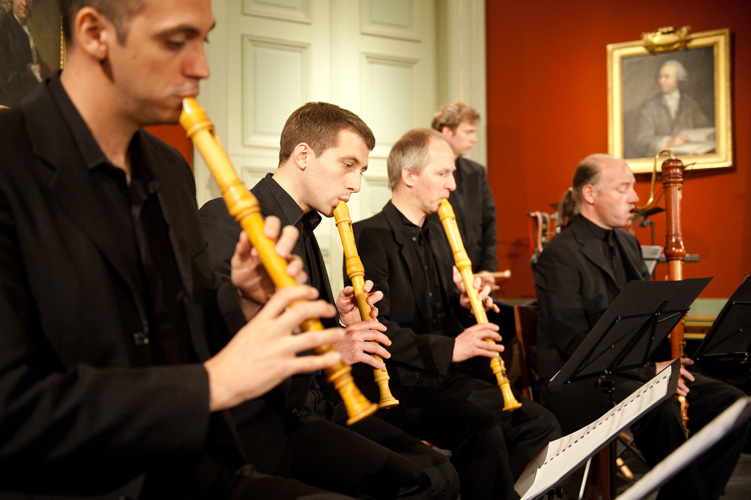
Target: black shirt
(135, 213)
(420, 236)
(305, 223)
(611, 251)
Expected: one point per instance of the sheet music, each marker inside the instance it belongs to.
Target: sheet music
(688, 451)
(563, 455)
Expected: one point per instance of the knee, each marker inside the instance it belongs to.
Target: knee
(445, 482)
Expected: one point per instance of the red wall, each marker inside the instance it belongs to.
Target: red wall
(547, 109)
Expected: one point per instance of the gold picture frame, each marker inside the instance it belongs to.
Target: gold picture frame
(637, 117)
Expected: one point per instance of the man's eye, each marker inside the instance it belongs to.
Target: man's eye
(174, 44)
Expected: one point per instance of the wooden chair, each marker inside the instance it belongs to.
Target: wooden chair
(525, 318)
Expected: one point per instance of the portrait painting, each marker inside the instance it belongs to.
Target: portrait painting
(671, 99)
(31, 48)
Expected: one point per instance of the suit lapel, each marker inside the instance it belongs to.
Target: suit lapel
(443, 256)
(70, 182)
(633, 263)
(591, 248)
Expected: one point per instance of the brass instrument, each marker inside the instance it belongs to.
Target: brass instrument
(243, 206)
(356, 273)
(448, 219)
(675, 251)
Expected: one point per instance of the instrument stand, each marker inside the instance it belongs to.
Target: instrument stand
(624, 338)
(729, 338)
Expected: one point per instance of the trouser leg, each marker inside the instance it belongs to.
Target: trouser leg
(336, 458)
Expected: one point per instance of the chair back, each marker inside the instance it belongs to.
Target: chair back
(525, 317)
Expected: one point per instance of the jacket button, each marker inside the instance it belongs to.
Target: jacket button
(417, 374)
(297, 412)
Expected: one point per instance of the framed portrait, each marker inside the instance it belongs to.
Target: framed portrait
(31, 46)
(674, 96)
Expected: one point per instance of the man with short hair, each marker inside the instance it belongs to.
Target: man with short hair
(107, 385)
(407, 255)
(323, 154)
(472, 199)
(578, 275)
(663, 120)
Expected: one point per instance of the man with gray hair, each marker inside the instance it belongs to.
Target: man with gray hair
(663, 120)
(433, 336)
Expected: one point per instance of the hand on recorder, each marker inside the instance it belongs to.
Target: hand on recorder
(362, 340)
(471, 342)
(682, 389)
(253, 284)
(484, 292)
(346, 304)
(265, 352)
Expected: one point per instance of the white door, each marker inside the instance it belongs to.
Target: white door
(376, 58)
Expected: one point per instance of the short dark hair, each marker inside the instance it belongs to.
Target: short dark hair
(411, 150)
(318, 124)
(451, 115)
(118, 12)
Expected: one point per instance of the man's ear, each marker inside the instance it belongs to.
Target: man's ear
(301, 154)
(447, 131)
(93, 33)
(408, 176)
(588, 194)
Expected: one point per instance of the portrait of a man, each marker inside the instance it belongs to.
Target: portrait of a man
(29, 46)
(668, 103)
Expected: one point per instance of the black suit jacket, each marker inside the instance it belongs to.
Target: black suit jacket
(222, 233)
(574, 288)
(474, 207)
(416, 351)
(82, 408)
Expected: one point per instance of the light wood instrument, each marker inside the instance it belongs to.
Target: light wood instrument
(243, 206)
(448, 219)
(356, 273)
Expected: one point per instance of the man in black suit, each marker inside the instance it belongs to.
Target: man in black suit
(407, 256)
(107, 299)
(472, 199)
(578, 275)
(323, 153)
(21, 66)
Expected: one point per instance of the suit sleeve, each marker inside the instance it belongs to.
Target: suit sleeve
(489, 260)
(423, 351)
(563, 320)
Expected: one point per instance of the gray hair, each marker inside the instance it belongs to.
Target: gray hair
(410, 151)
(680, 72)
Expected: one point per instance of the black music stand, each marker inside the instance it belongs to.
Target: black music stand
(627, 334)
(732, 417)
(729, 338)
(634, 325)
(560, 457)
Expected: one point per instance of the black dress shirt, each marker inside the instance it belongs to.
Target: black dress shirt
(134, 209)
